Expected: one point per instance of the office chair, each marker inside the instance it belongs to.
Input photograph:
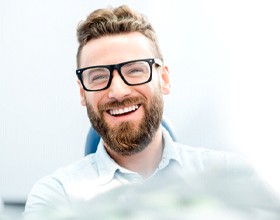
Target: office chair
(93, 137)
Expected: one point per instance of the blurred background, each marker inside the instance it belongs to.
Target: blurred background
(224, 62)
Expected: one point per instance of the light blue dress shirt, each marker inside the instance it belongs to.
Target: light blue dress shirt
(98, 173)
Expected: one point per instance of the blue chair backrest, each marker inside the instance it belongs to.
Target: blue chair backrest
(93, 137)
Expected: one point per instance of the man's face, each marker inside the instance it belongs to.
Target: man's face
(126, 117)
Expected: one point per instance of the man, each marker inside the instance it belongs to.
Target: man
(122, 79)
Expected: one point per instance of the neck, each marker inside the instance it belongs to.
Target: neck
(144, 162)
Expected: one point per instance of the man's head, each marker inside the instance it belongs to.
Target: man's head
(118, 52)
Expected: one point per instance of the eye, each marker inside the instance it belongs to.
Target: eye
(97, 75)
(135, 69)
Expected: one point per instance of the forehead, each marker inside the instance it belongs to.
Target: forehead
(116, 49)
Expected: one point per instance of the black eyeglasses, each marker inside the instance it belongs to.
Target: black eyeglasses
(133, 73)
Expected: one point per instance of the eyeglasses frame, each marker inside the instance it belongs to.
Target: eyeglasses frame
(118, 67)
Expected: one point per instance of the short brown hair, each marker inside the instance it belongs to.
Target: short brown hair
(111, 21)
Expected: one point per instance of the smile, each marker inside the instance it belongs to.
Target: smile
(115, 112)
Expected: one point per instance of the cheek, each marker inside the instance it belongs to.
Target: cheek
(156, 82)
(92, 100)
(146, 90)
(150, 89)
(156, 87)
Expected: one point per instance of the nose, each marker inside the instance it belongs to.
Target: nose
(118, 89)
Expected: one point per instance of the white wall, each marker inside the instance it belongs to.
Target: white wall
(224, 65)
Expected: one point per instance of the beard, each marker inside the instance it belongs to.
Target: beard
(128, 138)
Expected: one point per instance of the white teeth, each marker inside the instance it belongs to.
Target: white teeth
(123, 110)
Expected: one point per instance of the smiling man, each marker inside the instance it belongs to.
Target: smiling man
(122, 79)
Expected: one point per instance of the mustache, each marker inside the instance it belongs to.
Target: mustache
(126, 102)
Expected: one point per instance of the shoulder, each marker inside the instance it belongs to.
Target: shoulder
(198, 158)
(52, 191)
(82, 169)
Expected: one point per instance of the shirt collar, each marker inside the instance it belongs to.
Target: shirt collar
(170, 151)
(105, 164)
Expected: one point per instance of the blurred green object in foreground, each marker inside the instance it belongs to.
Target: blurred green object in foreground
(213, 195)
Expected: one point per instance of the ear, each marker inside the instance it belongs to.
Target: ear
(165, 81)
(82, 93)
